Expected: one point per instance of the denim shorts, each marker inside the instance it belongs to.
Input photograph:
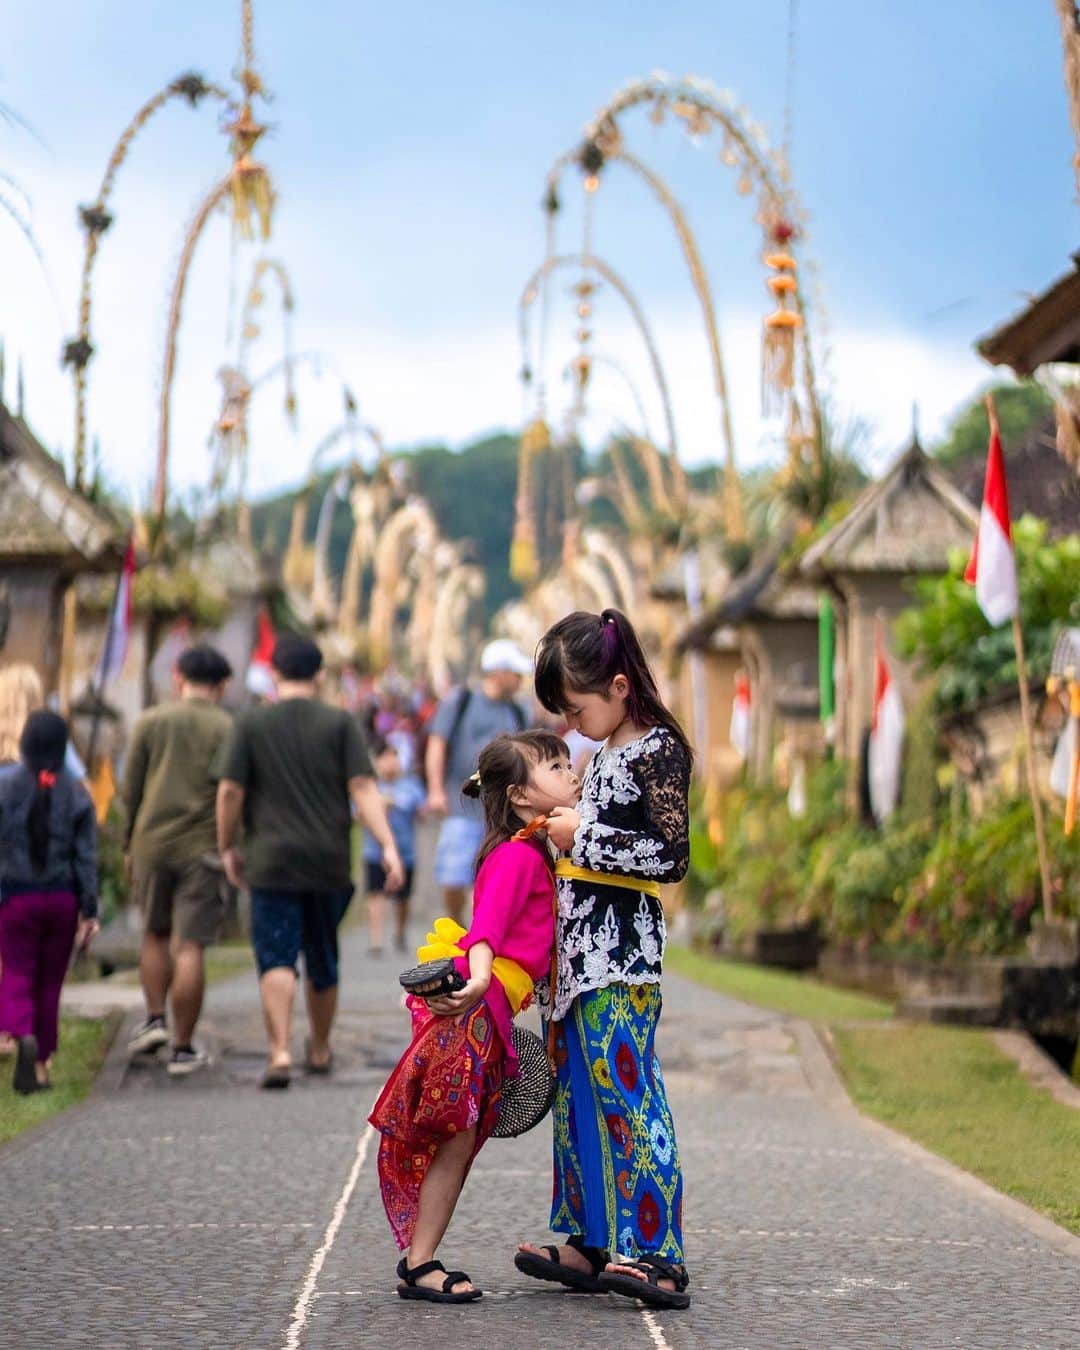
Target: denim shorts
(286, 923)
(455, 853)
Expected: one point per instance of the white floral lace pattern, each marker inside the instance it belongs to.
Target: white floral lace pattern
(634, 822)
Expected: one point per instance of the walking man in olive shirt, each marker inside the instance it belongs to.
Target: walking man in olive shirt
(291, 770)
(169, 794)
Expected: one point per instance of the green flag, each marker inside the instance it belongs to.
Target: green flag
(826, 662)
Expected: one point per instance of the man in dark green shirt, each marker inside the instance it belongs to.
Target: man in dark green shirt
(291, 771)
(171, 850)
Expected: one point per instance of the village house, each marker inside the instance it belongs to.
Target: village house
(50, 534)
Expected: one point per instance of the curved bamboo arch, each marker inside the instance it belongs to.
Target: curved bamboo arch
(609, 363)
(413, 525)
(211, 202)
(322, 594)
(605, 270)
(96, 220)
(702, 106)
(461, 588)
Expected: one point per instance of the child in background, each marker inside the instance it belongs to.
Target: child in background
(403, 794)
(442, 1101)
(48, 891)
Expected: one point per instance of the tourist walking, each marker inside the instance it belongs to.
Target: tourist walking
(442, 1101)
(289, 771)
(48, 891)
(403, 795)
(178, 882)
(618, 1182)
(466, 720)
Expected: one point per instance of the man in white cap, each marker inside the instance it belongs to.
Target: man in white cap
(464, 723)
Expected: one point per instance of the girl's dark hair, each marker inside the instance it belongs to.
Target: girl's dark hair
(584, 652)
(42, 747)
(505, 763)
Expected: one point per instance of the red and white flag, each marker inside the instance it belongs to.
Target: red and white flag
(114, 652)
(885, 752)
(259, 679)
(993, 564)
(739, 731)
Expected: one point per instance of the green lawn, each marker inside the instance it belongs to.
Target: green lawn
(796, 995)
(954, 1092)
(83, 1042)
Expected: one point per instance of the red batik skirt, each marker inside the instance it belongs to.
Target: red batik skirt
(448, 1080)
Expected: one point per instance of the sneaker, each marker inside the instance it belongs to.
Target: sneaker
(186, 1059)
(24, 1080)
(148, 1037)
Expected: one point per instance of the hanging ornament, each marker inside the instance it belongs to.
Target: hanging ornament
(524, 564)
(778, 344)
(745, 185)
(657, 112)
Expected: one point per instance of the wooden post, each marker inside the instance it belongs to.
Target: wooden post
(1029, 755)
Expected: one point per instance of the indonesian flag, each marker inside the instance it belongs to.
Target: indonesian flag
(259, 680)
(739, 731)
(114, 653)
(993, 565)
(886, 738)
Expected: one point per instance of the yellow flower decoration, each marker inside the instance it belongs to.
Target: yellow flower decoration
(601, 1072)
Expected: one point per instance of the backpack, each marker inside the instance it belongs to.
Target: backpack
(459, 717)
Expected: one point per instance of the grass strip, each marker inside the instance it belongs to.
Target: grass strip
(797, 995)
(953, 1091)
(83, 1042)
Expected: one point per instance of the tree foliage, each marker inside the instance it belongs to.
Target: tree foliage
(947, 633)
(1020, 409)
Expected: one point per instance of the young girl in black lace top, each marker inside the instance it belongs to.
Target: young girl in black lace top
(618, 1183)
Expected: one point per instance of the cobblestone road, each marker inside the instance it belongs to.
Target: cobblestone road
(202, 1213)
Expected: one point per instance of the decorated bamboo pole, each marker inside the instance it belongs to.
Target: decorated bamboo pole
(96, 219)
(1029, 756)
(1070, 36)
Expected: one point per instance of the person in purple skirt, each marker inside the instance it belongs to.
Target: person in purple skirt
(48, 891)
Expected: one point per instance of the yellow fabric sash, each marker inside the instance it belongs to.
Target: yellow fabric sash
(516, 981)
(565, 868)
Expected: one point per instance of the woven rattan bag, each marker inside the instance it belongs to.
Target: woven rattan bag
(526, 1099)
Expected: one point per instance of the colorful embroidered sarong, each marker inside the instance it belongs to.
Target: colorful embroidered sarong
(618, 1182)
(448, 1080)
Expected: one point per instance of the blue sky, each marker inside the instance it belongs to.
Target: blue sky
(931, 149)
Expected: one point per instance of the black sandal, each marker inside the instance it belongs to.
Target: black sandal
(655, 1269)
(421, 1293)
(551, 1268)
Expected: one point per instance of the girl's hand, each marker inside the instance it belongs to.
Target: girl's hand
(464, 1001)
(562, 825)
(85, 932)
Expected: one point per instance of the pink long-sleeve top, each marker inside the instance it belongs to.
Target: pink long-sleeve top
(513, 911)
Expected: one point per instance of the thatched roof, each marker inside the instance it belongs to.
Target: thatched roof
(1046, 329)
(906, 523)
(1040, 482)
(41, 517)
(766, 590)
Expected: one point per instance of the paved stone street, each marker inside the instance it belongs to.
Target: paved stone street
(202, 1213)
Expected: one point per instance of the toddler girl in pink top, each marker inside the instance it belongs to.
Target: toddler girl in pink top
(442, 1101)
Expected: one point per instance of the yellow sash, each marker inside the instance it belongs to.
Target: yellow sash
(565, 868)
(517, 983)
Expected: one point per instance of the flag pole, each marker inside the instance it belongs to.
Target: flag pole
(1029, 740)
(1029, 755)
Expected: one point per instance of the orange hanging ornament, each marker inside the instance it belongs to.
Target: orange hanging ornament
(781, 327)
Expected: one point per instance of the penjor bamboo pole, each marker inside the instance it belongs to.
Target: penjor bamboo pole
(1029, 755)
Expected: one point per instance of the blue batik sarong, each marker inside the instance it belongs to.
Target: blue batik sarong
(618, 1182)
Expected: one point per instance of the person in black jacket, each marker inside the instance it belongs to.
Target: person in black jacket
(48, 891)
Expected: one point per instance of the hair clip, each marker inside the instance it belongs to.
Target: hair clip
(475, 778)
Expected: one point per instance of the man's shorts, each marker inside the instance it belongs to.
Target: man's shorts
(186, 900)
(455, 853)
(376, 881)
(286, 923)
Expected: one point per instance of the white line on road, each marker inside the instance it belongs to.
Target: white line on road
(655, 1330)
(307, 1294)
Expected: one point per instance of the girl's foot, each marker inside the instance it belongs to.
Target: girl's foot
(431, 1282)
(573, 1264)
(659, 1283)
